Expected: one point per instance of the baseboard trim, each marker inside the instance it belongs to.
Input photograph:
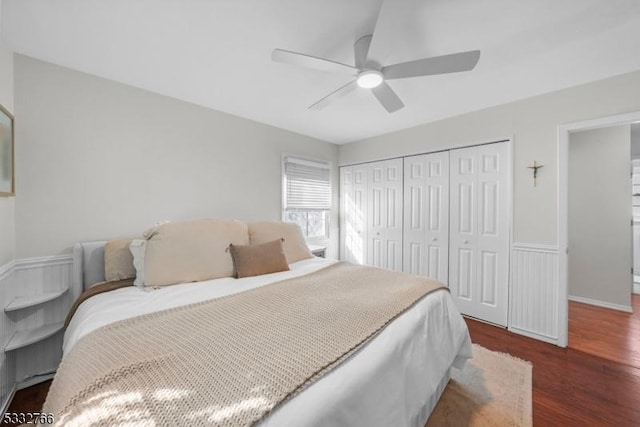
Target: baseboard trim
(36, 379)
(535, 336)
(497, 325)
(8, 399)
(604, 304)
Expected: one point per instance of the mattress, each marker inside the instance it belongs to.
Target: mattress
(395, 379)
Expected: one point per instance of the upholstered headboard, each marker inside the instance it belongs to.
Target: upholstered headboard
(88, 264)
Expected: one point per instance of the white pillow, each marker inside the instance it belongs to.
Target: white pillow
(138, 248)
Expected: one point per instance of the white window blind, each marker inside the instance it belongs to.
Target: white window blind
(307, 185)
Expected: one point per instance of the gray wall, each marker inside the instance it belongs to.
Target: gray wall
(7, 231)
(635, 141)
(533, 123)
(6, 203)
(99, 159)
(600, 248)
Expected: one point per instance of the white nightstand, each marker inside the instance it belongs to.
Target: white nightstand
(27, 337)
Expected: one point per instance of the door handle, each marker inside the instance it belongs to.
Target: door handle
(378, 233)
(435, 239)
(466, 242)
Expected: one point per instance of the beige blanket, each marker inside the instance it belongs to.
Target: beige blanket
(94, 290)
(231, 360)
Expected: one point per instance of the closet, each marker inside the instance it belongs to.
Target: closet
(442, 215)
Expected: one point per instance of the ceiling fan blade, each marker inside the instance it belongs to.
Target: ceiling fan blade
(361, 49)
(338, 93)
(308, 61)
(393, 17)
(453, 63)
(387, 97)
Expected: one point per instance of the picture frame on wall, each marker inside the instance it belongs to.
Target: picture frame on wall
(7, 162)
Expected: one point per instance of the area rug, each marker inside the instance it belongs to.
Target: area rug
(494, 389)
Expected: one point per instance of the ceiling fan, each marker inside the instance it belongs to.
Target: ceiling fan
(371, 75)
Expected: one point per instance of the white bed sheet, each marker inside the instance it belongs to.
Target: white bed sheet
(387, 383)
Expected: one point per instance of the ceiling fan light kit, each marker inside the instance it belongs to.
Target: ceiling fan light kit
(370, 75)
(369, 79)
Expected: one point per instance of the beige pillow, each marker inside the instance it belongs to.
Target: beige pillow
(191, 251)
(118, 261)
(295, 247)
(254, 260)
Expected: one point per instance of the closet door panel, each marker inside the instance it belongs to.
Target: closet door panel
(426, 218)
(360, 213)
(493, 232)
(377, 209)
(394, 209)
(353, 210)
(413, 259)
(464, 283)
(385, 226)
(462, 239)
(414, 233)
(479, 239)
(437, 215)
(347, 228)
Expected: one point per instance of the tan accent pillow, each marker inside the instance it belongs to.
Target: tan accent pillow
(295, 247)
(118, 261)
(191, 251)
(254, 260)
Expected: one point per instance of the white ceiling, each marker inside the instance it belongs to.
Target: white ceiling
(216, 53)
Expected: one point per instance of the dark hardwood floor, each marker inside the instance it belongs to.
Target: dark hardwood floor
(29, 399)
(570, 387)
(610, 334)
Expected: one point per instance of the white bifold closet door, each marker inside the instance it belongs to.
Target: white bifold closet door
(384, 200)
(479, 233)
(353, 214)
(426, 215)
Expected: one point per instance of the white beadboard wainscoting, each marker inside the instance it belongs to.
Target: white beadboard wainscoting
(534, 291)
(31, 364)
(7, 360)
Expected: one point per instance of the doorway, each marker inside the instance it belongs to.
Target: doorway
(600, 258)
(599, 217)
(565, 133)
(635, 190)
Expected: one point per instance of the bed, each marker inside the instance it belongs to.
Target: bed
(395, 378)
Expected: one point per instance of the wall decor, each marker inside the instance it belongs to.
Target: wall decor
(7, 184)
(535, 168)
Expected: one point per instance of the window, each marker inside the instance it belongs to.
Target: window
(307, 195)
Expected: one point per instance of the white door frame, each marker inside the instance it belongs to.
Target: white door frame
(563, 207)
